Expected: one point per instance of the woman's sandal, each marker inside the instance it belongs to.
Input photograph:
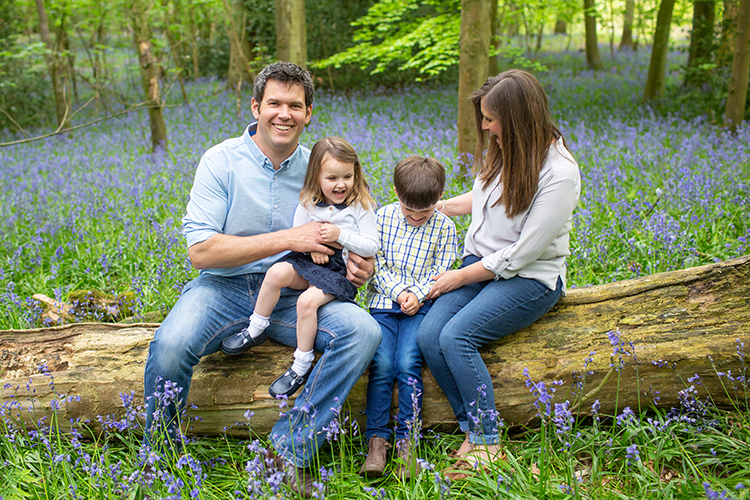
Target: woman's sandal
(466, 467)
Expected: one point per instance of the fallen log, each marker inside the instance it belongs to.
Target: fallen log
(694, 321)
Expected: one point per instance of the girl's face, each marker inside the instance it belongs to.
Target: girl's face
(336, 179)
(490, 123)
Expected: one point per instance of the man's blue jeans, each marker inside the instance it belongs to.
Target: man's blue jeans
(397, 358)
(462, 321)
(212, 308)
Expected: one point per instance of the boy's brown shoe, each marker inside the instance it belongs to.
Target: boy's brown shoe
(374, 466)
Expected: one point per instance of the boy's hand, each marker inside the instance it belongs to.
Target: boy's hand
(409, 303)
(319, 258)
(330, 233)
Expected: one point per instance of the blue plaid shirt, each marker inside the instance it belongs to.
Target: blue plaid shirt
(409, 256)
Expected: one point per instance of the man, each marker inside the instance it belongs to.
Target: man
(238, 224)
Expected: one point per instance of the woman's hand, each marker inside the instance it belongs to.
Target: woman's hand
(330, 233)
(319, 258)
(446, 282)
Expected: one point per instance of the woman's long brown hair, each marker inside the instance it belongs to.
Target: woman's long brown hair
(340, 150)
(516, 100)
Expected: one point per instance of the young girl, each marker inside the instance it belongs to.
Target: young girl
(336, 194)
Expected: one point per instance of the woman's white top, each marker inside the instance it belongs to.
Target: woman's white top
(359, 227)
(534, 243)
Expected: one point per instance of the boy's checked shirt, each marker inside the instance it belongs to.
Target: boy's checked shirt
(409, 256)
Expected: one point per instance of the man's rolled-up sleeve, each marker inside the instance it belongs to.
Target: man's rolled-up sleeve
(208, 205)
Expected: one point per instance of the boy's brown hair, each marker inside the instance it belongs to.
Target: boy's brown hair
(419, 181)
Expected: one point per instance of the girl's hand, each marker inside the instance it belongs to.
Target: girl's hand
(446, 282)
(319, 258)
(330, 233)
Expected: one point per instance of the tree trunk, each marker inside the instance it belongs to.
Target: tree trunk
(62, 108)
(561, 27)
(657, 69)
(593, 59)
(239, 45)
(473, 70)
(735, 110)
(494, 38)
(627, 26)
(725, 53)
(701, 42)
(291, 32)
(691, 320)
(149, 74)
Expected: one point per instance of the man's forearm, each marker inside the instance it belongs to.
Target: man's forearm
(225, 250)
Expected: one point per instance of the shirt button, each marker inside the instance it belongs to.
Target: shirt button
(330, 208)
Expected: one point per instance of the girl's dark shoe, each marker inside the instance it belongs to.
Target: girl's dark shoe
(241, 342)
(288, 384)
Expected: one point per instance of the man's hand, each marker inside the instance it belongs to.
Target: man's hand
(307, 238)
(319, 258)
(330, 233)
(359, 269)
(409, 303)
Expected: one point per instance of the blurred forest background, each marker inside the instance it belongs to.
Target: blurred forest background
(66, 62)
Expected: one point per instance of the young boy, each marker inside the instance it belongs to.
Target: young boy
(416, 243)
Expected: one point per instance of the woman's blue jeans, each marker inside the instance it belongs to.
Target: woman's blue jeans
(398, 358)
(462, 321)
(212, 308)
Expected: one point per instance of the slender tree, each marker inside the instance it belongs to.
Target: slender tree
(54, 66)
(626, 42)
(473, 69)
(701, 41)
(738, 82)
(291, 32)
(657, 69)
(239, 45)
(593, 59)
(728, 30)
(149, 72)
(494, 37)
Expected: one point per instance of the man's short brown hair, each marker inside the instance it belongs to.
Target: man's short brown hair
(419, 182)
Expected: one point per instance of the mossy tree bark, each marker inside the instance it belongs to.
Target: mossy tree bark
(626, 42)
(735, 109)
(149, 72)
(473, 70)
(593, 58)
(690, 320)
(657, 68)
(725, 52)
(291, 32)
(701, 42)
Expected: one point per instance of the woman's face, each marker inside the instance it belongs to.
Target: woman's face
(490, 123)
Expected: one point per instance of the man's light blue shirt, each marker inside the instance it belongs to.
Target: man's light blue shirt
(236, 191)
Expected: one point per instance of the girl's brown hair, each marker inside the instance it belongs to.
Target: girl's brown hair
(340, 150)
(516, 101)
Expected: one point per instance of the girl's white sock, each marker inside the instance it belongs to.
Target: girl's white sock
(257, 325)
(302, 361)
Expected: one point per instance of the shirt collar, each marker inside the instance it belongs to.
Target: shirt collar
(339, 206)
(258, 155)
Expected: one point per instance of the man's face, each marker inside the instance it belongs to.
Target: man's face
(282, 116)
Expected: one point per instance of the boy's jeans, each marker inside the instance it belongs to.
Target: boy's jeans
(397, 358)
(212, 308)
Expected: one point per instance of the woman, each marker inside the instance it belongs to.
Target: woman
(513, 267)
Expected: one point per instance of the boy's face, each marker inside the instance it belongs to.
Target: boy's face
(417, 217)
